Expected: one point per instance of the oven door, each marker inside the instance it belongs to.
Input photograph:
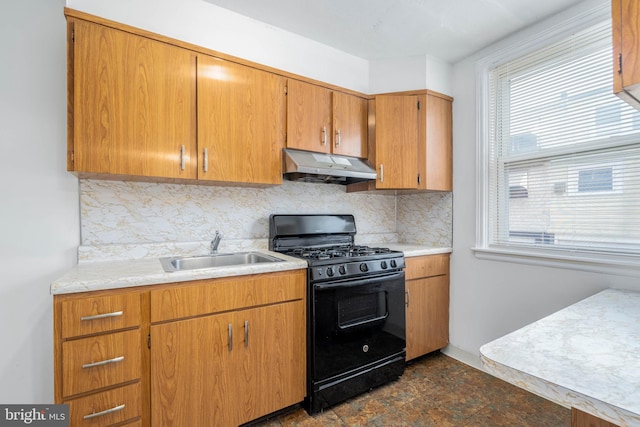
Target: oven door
(356, 323)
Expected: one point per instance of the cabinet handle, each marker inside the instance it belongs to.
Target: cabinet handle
(102, 316)
(338, 138)
(105, 412)
(418, 179)
(381, 172)
(406, 300)
(246, 333)
(205, 161)
(182, 157)
(103, 362)
(620, 63)
(230, 341)
(324, 135)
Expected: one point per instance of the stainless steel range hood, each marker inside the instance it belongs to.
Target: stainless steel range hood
(329, 168)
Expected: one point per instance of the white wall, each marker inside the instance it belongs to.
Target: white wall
(39, 230)
(490, 298)
(416, 72)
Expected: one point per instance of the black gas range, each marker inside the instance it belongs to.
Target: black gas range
(356, 312)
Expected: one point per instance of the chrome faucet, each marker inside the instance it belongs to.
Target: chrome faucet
(215, 242)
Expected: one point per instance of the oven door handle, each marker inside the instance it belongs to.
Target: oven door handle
(350, 283)
(364, 322)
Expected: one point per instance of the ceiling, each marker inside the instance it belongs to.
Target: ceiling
(383, 29)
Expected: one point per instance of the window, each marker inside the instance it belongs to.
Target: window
(560, 158)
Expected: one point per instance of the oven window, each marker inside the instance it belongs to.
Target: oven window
(358, 309)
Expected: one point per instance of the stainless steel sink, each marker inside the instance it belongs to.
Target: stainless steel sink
(171, 264)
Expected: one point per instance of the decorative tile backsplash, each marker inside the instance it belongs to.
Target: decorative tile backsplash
(123, 220)
(425, 218)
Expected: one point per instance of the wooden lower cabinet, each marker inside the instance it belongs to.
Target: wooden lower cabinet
(582, 419)
(427, 304)
(99, 358)
(215, 352)
(228, 369)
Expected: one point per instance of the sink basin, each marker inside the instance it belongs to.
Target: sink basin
(171, 264)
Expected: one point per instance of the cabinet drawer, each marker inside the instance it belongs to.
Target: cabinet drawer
(107, 408)
(211, 296)
(426, 266)
(99, 314)
(96, 362)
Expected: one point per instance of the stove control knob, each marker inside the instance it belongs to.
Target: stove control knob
(393, 263)
(342, 269)
(364, 267)
(330, 272)
(383, 264)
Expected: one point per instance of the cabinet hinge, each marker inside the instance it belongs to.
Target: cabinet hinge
(149, 341)
(620, 63)
(418, 105)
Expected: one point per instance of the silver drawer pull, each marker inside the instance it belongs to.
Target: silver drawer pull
(230, 337)
(102, 316)
(105, 412)
(103, 362)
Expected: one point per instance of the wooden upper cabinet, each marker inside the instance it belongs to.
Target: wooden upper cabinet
(308, 117)
(325, 121)
(626, 50)
(241, 116)
(435, 146)
(131, 104)
(349, 125)
(396, 141)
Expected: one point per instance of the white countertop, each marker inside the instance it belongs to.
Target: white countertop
(585, 356)
(93, 276)
(415, 250)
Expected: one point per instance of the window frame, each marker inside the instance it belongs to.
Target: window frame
(601, 262)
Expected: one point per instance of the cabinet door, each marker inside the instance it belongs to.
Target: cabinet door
(626, 46)
(272, 363)
(241, 115)
(192, 379)
(397, 141)
(132, 107)
(308, 117)
(349, 125)
(435, 146)
(427, 315)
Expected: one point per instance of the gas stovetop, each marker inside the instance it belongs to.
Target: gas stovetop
(327, 243)
(333, 252)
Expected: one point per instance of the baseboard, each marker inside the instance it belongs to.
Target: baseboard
(463, 356)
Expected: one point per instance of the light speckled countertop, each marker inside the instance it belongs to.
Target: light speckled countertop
(585, 356)
(93, 276)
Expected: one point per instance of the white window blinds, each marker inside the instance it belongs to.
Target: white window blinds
(564, 152)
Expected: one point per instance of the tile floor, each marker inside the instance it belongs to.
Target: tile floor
(436, 390)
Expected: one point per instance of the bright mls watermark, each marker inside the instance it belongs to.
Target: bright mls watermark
(36, 415)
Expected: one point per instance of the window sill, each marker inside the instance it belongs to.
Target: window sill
(620, 265)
